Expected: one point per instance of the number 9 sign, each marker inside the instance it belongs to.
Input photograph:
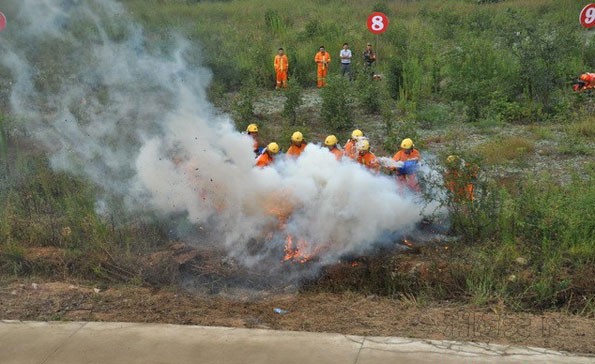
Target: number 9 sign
(587, 17)
(377, 22)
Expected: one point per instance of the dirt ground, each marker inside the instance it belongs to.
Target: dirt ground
(348, 313)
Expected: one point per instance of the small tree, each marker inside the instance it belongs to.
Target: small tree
(293, 101)
(336, 104)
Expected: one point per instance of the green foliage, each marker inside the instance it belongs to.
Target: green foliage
(394, 79)
(336, 104)
(370, 95)
(541, 234)
(274, 22)
(505, 150)
(243, 106)
(293, 101)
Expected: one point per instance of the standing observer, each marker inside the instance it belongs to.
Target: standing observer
(281, 65)
(323, 60)
(345, 56)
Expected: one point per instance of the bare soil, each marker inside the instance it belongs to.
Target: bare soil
(347, 313)
(184, 285)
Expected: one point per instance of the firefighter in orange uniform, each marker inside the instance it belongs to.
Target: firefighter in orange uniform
(365, 157)
(281, 65)
(460, 178)
(407, 159)
(331, 143)
(252, 130)
(268, 155)
(349, 147)
(586, 82)
(323, 60)
(297, 145)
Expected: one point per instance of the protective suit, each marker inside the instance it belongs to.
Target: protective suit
(281, 65)
(323, 60)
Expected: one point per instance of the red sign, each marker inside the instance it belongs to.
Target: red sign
(377, 22)
(2, 21)
(587, 17)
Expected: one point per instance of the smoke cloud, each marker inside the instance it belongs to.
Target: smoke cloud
(131, 115)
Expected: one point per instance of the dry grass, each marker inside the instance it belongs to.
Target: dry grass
(505, 150)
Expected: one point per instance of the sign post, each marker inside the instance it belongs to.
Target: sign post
(587, 16)
(377, 24)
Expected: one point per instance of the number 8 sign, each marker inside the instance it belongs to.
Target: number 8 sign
(377, 22)
(587, 17)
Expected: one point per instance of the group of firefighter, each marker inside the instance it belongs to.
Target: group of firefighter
(323, 61)
(459, 177)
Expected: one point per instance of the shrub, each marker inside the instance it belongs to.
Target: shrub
(293, 100)
(336, 104)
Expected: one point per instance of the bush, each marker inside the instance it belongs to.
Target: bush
(293, 100)
(336, 104)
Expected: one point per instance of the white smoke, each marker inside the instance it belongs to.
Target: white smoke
(133, 117)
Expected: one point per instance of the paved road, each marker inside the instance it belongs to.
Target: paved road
(128, 343)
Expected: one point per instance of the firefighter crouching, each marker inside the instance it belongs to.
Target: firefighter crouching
(268, 155)
(407, 162)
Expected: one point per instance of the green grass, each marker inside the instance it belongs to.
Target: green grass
(454, 65)
(505, 150)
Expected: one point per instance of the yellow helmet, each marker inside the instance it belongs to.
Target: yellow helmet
(297, 137)
(452, 159)
(252, 128)
(356, 134)
(273, 148)
(407, 143)
(331, 140)
(363, 145)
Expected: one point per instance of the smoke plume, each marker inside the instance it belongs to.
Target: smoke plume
(130, 113)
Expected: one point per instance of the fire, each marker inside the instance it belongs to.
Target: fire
(296, 250)
(299, 251)
(408, 243)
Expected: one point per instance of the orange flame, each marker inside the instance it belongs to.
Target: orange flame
(299, 251)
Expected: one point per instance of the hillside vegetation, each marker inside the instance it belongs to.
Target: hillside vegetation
(448, 68)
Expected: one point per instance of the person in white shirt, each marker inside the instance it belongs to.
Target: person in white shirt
(345, 56)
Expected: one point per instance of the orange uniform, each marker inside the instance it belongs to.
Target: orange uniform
(281, 65)
(349, 149)
(295, 151)
(587, 82)
(263, 160)
(323, 60)
(369, 160)
(410, 180)
(459, 181)
(337, 152)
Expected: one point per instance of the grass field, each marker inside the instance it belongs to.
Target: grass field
(463, 72)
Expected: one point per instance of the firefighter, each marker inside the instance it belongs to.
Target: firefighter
(460, 178)
(407, 159)
(331, 143)
(323, 60)
(349, 148)
(586, 82)
(281, 65)
(298, 144)
(365, 157)
(268, 155)
(252, 130)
